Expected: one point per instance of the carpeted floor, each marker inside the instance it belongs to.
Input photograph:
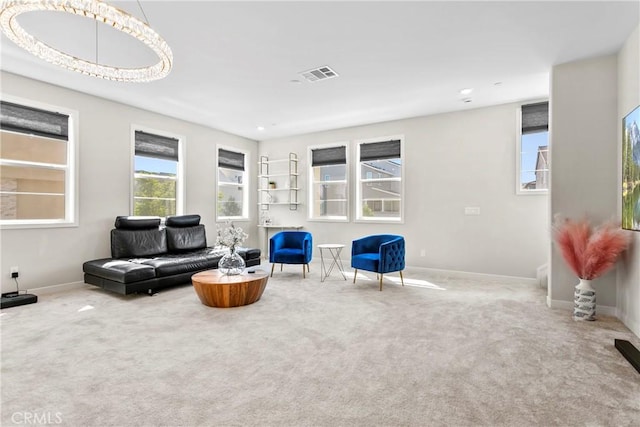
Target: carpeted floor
(441, 352)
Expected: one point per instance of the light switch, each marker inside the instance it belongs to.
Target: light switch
(472, 210)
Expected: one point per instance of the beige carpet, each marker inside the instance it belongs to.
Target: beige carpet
(442, 352)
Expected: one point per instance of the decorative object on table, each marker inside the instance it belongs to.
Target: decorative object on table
(631, 171)
(272, 185)
(589, 253)
(231, 237)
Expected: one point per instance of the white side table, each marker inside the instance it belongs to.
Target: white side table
(334, 250)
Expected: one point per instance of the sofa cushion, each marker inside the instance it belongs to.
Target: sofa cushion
(249, 253)
(181, 239)
(119, 270)
(138, 243)
(137, 222)
(366, 261)
(182, 220)
(171, 264)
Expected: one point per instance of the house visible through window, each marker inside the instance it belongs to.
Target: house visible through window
(156, 175)
(232, 191)
(328, 181)
(380, 181)
(36, 166)
(534, 143)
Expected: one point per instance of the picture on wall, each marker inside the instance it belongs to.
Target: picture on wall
(631, 171)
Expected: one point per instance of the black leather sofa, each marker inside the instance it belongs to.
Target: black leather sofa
(146, 256)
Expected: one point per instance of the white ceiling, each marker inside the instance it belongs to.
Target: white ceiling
(234, 61)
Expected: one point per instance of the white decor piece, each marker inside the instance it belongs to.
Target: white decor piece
(584, 301)
(101, 12)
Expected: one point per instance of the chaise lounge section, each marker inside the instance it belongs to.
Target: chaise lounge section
(146, 256)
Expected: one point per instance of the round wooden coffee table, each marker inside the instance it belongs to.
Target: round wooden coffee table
(218, 290)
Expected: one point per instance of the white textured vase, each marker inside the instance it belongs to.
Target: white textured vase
(584, 301)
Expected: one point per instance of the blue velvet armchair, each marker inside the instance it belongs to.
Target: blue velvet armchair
(291, 247)
(379, 253)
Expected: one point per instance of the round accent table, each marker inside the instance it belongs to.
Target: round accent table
(218, 290)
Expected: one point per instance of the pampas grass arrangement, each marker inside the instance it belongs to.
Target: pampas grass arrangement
(589, 252)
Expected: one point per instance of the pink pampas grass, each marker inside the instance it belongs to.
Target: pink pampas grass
(589, 254)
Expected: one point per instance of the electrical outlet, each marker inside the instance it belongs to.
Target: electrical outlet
(14, 272)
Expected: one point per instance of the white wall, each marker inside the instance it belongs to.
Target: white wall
(584, 175)
(451, 160)
(628, 284)
(53, 256)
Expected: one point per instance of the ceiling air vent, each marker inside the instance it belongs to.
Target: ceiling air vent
(320, 73)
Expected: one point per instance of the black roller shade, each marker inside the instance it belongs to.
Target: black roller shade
(156, 146)
(32, 121)
(380, 150)
(329, 156)
(535, 117)
(230, 160)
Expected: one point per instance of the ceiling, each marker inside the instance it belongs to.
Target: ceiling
(237, 64)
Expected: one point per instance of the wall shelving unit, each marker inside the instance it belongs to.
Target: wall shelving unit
(278, 182)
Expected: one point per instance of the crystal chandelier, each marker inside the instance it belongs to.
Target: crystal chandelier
(101, 12)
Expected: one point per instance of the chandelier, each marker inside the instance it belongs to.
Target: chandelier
(102, 13)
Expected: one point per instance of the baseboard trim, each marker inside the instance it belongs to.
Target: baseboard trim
(633, 326)
(47, 290)
(568, 305)
(456, 274)
(480, 276)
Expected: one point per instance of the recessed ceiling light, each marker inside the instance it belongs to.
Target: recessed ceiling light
(295, 81)
(467, 100)
(260, 128)
(466, 91)
(497, 83)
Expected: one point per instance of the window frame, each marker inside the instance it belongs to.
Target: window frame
(519, 190)
(180, 184)
(358, 182)
(245, 184)
(71, 204)
(347, 182)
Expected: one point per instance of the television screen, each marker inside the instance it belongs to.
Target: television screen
(631, 171)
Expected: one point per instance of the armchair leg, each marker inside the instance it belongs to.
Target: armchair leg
(272, 266)
(354, 275)
(381, 282)
(303, 272)
(401, 278)
(308, 269)
(280, 267)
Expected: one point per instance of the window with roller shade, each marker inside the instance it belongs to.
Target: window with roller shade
(328, 181)
(37, 164)
(157, 175)
(233, 196)
(533, 149)
(379, 181)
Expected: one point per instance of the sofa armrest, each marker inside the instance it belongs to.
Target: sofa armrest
(392, 255)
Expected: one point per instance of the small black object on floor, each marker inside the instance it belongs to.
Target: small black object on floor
(629, 352)
(13, 299)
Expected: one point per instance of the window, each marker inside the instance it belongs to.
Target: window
(232, 185)
(379, 175)
(157, 175)
(533, 142)
(328, 183)
(37, 165)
